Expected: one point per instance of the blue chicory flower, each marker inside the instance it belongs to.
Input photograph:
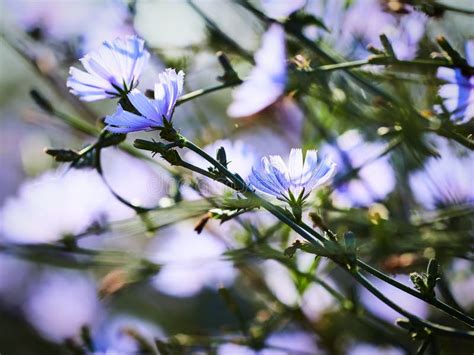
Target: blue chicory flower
(268, 78)
(295, 180)
(152, 113)
(458, 92)
(111, 70)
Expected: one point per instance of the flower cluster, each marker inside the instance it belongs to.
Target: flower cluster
(113, 71)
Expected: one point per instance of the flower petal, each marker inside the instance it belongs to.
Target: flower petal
(146, 107)
(123, 121)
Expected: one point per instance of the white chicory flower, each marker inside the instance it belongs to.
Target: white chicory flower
(294, 181)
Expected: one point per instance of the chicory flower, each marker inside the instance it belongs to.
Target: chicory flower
(268, 78)
(152, 113)
(111, 71)
(458, 92)
(292, 182)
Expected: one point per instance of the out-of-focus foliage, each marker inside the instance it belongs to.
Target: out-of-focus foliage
(130, 243)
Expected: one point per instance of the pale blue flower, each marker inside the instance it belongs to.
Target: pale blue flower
(111, 70)
(267, 80)
(152, 112)
(63, 21)
(294, 180)
(458, 92)
(59, 303)
(375, 177)
(404, 32)
(190, 264)
(447, 180)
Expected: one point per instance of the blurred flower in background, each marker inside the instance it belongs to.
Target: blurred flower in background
(404, 31)
(65, 20)
(267, 80)
(232, 289)
(192, 262)
(80, 197)
(363, 176)
(369, 349)
(60, 303)
(443, 181)
(14, 277)
(278, 343)
(118, 334)
(461, 278)
(70, 200)
(351, 36)
(120, 168)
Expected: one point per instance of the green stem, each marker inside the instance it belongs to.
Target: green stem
(77, 123)
(455, 9)
(241, 186)
(432, 301)
(468, 143)
(197, 93)
(439, 329)
(388, 61)
(345, 65)
(313, 237)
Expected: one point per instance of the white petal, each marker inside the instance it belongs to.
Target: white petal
(295, 166)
